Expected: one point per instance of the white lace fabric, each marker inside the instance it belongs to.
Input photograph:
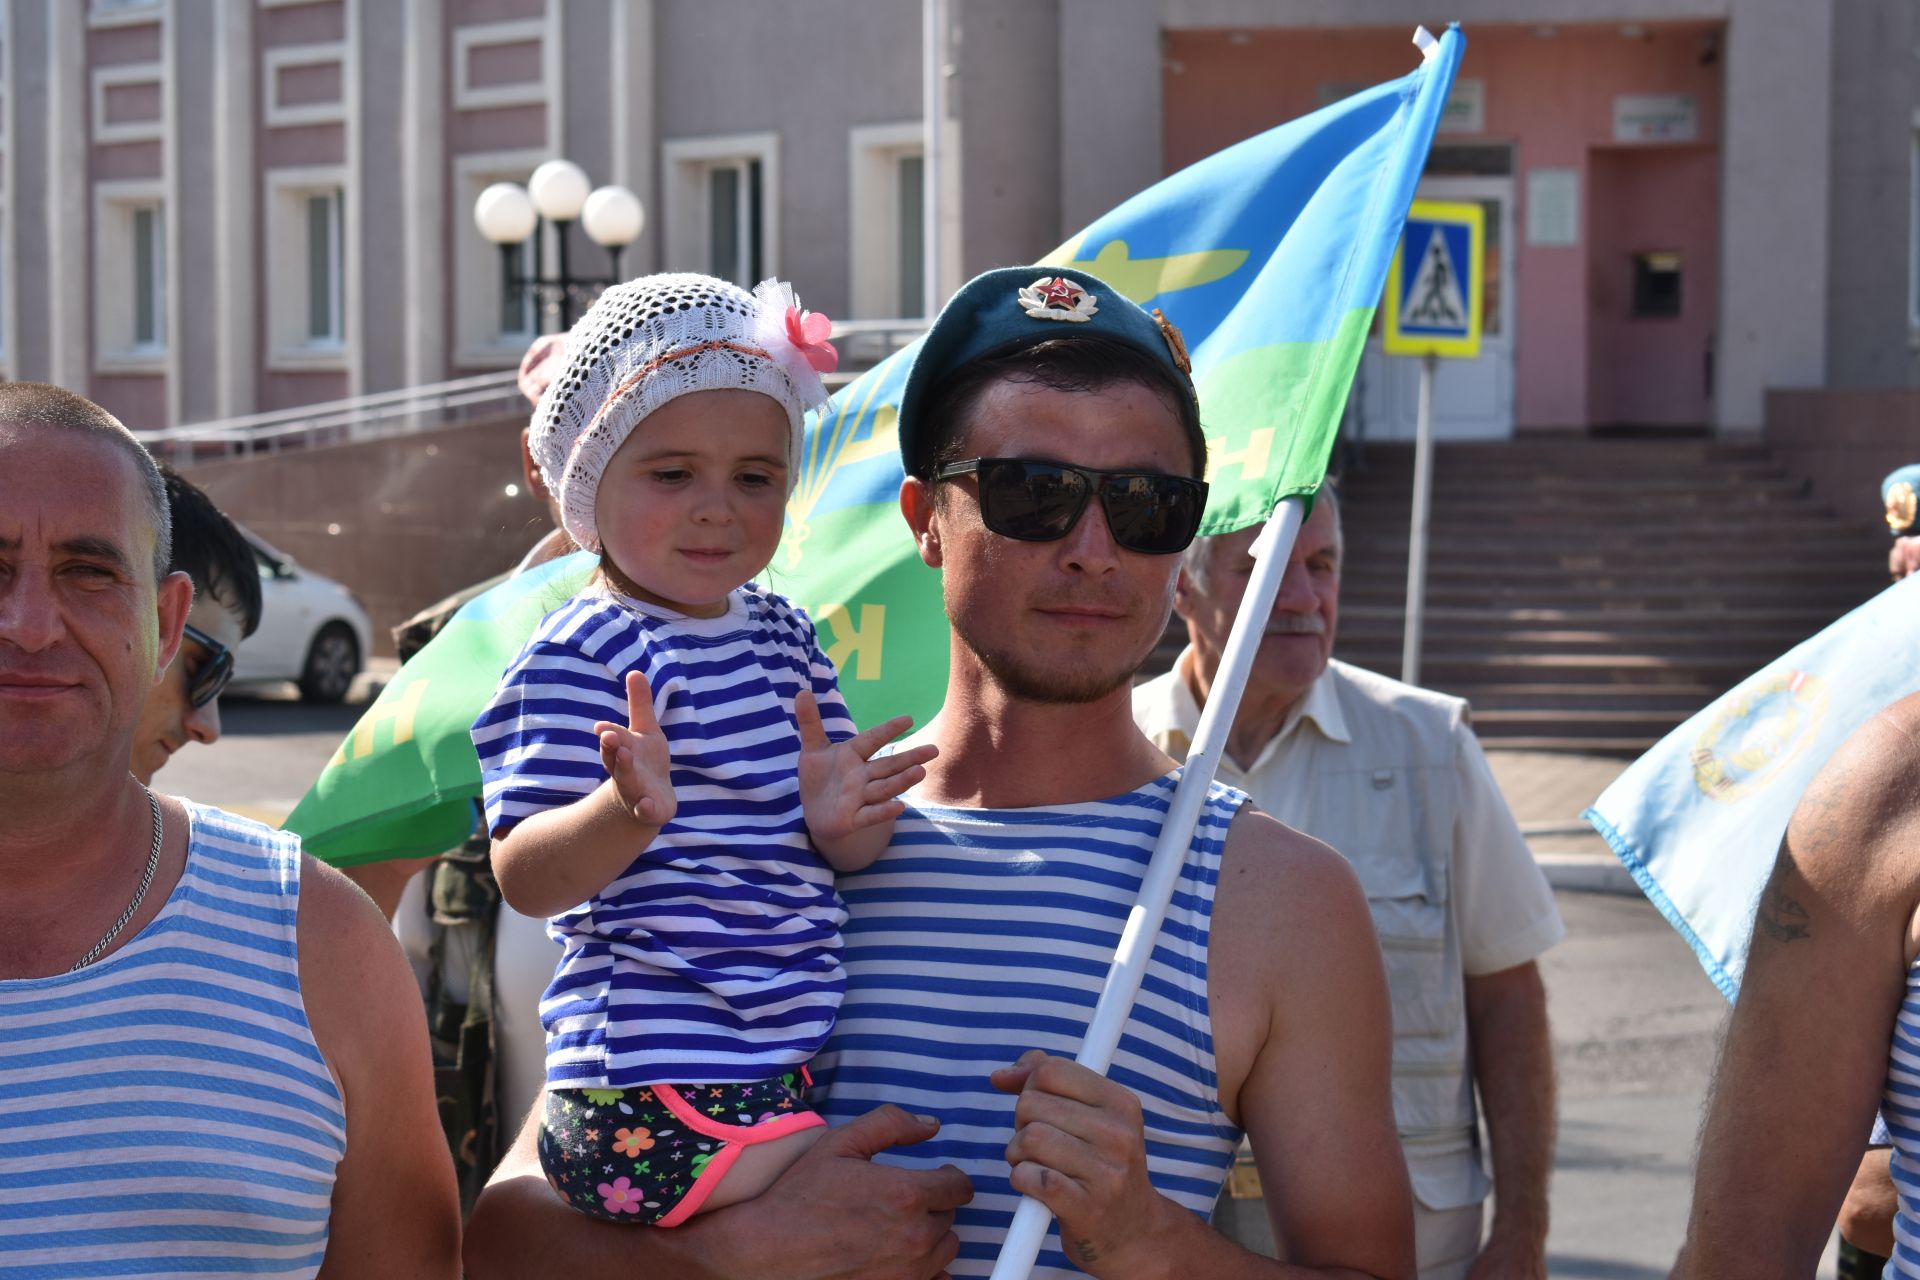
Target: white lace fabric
(643, 344)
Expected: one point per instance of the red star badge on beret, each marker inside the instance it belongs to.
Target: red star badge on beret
(1057, 298)
(1061, 292)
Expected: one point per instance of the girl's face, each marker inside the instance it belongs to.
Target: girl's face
(692, 503)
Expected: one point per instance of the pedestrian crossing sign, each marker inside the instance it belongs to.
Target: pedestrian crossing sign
(1435, 284)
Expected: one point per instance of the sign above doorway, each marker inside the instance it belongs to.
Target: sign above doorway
(1656, 117)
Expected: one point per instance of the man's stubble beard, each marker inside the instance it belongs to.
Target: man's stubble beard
(1077, 687)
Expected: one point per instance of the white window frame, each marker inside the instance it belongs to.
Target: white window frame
(105, 78)
(306, 55)
(285, 257)
(124, 13)
(873, 229)
(482, 35)
(479, 341)
(116, 349)
(686, 163)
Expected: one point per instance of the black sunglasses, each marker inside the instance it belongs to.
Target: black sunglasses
(1033, 500)
(211, 676)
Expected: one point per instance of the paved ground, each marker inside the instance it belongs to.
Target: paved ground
(1634, 1021)
(1634, 1018)
(1548, 792)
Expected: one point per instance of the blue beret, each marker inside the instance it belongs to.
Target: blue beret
(1898, 491)
(1004, 310)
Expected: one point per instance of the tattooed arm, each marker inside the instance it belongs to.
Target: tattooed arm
(1805, 1052)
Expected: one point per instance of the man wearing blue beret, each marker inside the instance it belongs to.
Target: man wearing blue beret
(1900, 494)
(1051, 439)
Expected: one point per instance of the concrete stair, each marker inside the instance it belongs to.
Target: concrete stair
(1590, 595)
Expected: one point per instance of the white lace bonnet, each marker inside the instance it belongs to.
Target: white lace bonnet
(650, 340)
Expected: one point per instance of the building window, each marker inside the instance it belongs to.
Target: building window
(722, 206)
(130, 277)
(307, 269)
(493, 319)
(887, 245)
(149, 279)
(910, 217)
(517, 313)
(326, 270)
(735, 191)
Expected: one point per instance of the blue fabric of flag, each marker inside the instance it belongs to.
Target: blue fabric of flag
(1698, 819)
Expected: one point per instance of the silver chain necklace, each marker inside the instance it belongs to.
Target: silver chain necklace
(139, 895)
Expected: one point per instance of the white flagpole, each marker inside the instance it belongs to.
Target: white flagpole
(1417, 527)
(1271, 551)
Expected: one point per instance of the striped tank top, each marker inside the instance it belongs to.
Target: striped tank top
(165, 1111)
(983, 933)
(1900, 1110)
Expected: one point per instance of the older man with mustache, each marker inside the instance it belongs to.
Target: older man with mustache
(1393, 778)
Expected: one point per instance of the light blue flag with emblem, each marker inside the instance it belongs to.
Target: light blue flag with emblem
(1698, 819)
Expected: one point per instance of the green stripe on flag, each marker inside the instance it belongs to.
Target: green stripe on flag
(1271, 416)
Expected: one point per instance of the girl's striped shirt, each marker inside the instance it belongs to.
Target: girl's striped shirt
(715, 956)
(983, 933)
(165, 1111)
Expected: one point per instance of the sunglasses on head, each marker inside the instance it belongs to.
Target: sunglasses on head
(212, 675)
(1034, 500)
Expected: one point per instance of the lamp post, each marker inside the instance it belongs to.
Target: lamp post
(558, 192)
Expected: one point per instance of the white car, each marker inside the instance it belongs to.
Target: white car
(313, 631)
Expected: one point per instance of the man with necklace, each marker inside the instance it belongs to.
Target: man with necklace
(212, 1058)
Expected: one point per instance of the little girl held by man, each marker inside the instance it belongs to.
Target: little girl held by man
(670, 772)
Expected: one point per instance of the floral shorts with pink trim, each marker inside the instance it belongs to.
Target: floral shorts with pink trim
(652, 1155)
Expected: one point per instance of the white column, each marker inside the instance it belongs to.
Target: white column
(425, 176)
(176, 213)
(10, 203)
(235, 111)
(933, 115)
(1110, 123)
(1772, 329)
(635, 143)
(355, 213)
(69, 216)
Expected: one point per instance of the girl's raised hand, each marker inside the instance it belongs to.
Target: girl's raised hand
(844, 787)
(636, 758)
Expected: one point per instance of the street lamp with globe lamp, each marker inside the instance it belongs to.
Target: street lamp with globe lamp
(558, 192)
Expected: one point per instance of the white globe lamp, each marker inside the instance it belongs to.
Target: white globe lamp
(504, 213)
(559, 188)
(613, 217)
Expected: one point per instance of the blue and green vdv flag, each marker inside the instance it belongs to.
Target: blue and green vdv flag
(1270, 256)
